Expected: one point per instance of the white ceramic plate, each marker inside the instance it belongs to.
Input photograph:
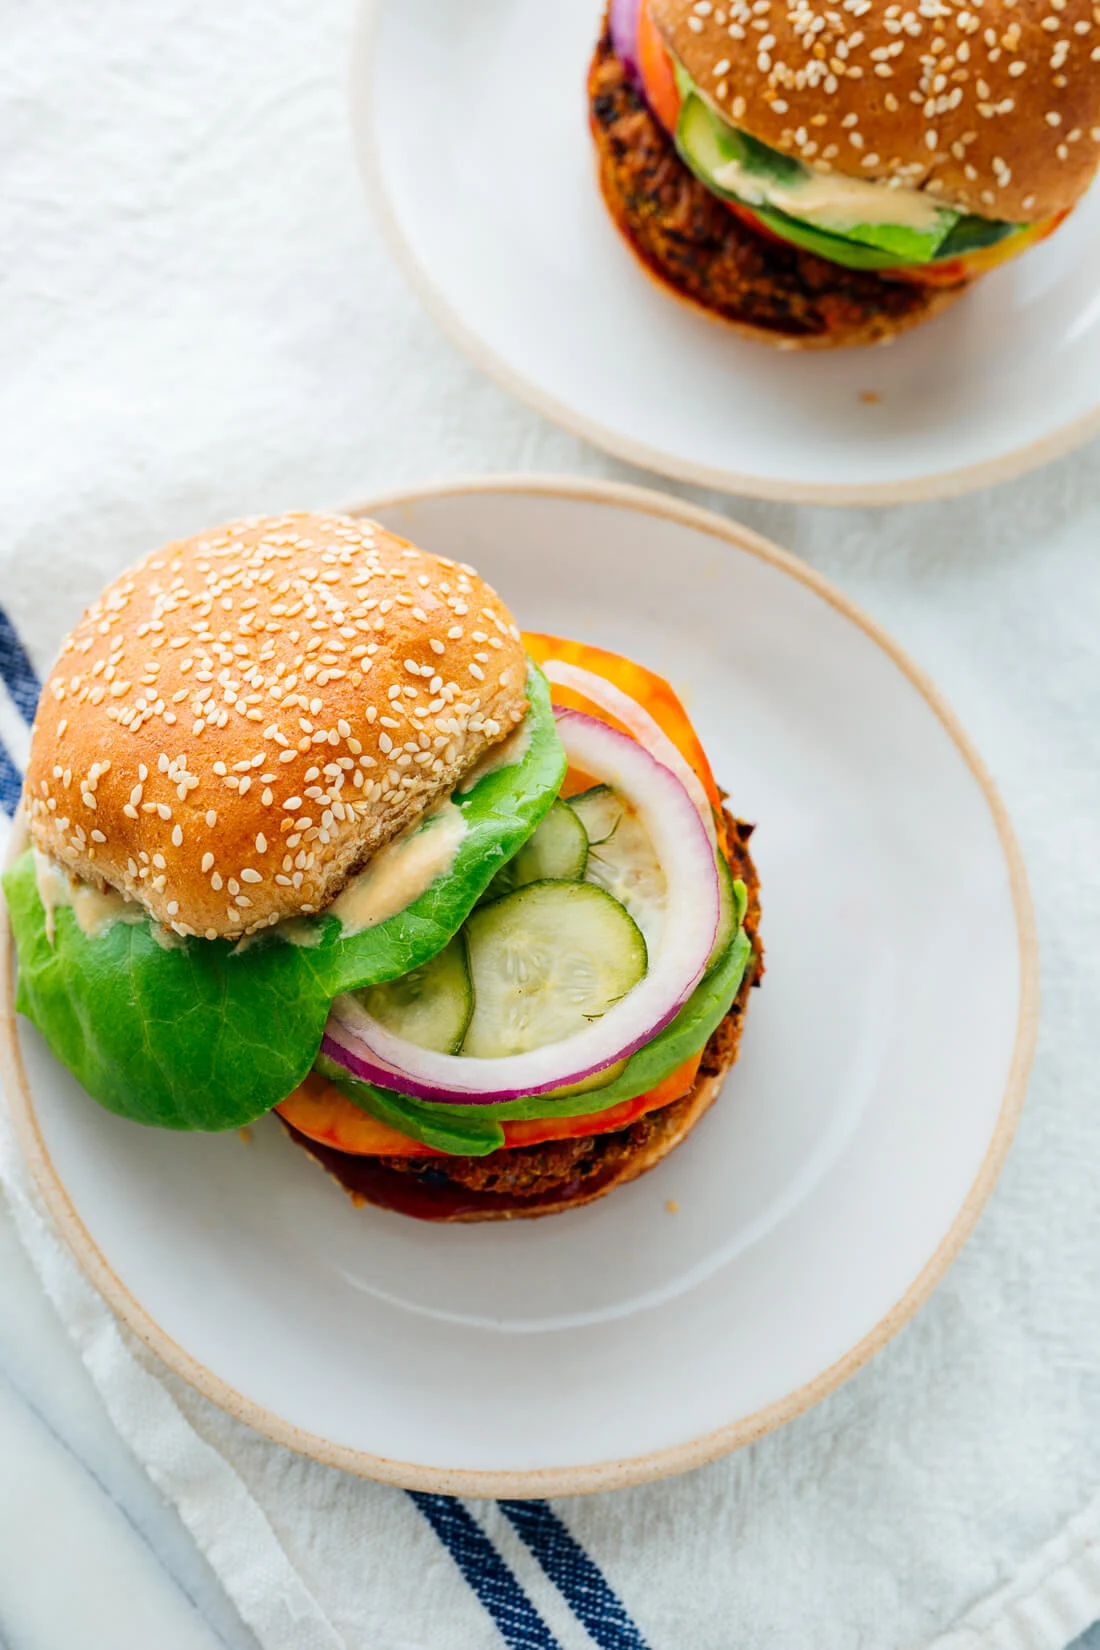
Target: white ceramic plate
(883, 1065)
(473, 134)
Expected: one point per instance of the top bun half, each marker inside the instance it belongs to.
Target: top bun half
(993, 105)
(245, 717)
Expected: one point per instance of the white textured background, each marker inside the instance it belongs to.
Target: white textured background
(198, 320)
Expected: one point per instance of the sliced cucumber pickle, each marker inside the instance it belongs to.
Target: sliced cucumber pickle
(432, 1005)
(621, 859)
(558, 849)
(729, 911)
(599, 811)
(598, 1080)
(545, 961)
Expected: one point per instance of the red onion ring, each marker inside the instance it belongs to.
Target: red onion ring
(365, 1047)
(623, 23)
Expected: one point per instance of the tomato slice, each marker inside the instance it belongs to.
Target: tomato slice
(645, 687)
(318, 1109)
(658, 75)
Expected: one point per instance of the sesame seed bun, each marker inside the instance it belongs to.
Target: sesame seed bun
(244, 717)
(993, 107)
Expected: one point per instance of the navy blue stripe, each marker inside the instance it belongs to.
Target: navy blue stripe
(16, 669)
(11, 783)
(520, 1625)
(573, 1573)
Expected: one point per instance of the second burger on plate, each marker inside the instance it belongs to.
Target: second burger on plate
(822, 175)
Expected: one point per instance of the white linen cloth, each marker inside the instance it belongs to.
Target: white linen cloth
(198, 322)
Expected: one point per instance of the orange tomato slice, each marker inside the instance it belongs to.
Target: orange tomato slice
(658, 76)
(318, 1109)
(644, 686)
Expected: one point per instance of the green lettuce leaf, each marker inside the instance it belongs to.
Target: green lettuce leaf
(179, 1036)
(706, 141)
(500, 813)
(446, 1128)
(201, 1035)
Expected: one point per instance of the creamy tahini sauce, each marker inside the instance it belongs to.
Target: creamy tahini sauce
(94, 910)
(832, 201)
(301, 931)
(401, 871)
(505, 755)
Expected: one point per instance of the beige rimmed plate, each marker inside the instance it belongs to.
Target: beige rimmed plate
(812, 1210)
(472, 130)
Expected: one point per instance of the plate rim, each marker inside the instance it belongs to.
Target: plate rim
(1066, 438)
(621, 1472)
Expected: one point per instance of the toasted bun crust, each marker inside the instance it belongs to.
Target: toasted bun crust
(995, 107)
(244, 717)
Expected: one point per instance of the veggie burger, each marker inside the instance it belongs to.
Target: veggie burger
(822, 174)
(316, 830)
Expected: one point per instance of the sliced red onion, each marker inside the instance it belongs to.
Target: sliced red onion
(365, 1047)
(640, 723)
(624, 36)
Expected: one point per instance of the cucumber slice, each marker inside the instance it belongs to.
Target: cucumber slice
(432, 1005)
(621, 859)
(729, 911)
(544, 962)
(558, 850)
(687, 1034)
(599, 811)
